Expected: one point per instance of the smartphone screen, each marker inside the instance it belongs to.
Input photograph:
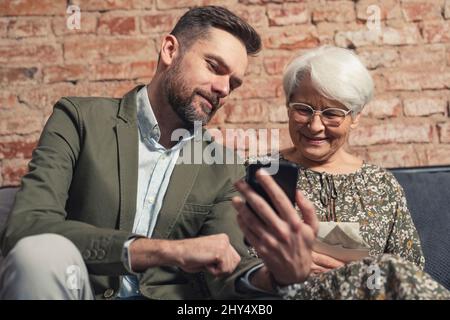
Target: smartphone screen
(286, 177)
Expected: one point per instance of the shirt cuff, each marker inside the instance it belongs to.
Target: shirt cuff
(126, 257)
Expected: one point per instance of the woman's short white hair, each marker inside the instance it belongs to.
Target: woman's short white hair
(336, 73)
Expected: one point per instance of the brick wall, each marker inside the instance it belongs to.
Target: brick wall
(407, 123)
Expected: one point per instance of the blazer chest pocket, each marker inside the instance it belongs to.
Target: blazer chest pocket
(191, 220)
(192, 208)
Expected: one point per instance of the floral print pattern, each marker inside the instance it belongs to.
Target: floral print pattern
(372, 197)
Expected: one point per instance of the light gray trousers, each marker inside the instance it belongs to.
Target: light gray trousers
(46, 266)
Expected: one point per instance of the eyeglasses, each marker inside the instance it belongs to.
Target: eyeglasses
(331, 117)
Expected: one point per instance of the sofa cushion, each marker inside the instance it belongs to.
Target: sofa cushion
(427, 191)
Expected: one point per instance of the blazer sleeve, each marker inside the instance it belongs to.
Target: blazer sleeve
(40, 202)
(223, 220)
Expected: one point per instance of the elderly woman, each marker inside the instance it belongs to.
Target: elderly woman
(326, 90)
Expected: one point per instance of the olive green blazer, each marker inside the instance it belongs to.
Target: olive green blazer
(82, 184)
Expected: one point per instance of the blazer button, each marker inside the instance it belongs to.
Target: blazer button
(101, 254)
(108, 293)
(93, 254)
(86, 254)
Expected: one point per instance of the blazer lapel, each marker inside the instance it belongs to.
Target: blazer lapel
(127, 145)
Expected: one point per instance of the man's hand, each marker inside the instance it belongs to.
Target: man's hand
(213, 254)
(283, 241)
(323, 263)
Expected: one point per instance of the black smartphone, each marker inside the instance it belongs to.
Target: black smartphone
(285, 175)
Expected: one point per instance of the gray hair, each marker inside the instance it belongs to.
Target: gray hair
(336, 73)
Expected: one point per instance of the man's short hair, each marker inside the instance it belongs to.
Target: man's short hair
(194, 25)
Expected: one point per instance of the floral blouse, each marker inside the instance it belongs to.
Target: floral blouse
(372, 197)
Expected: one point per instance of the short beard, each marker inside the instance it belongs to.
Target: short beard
(177, 93)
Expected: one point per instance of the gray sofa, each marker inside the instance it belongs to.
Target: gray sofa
(428, 193)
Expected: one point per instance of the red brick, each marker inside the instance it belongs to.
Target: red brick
(70, 72)
(383, 107)
(17, 146)
(421, 10)
(448, 56)
(278, 111)
(13, 170)
(247, 2)
(365, 135)
(258, 88)
(11, 76)
(285, 138)
(288, 14)
(127, 70)
(29, 27)
(444, 132)
(255, 15)
(101, 5)
(394, 155)
(447, 9)
(8, 100)
(389, 9)
(255, 66)
(98, 48)
(3, 27)
(159, 22)
(438, 155)
(117, 24)
(290, 38)
(427, 55)
(374, 58)
(32, 7)
(408, 34)
(43, 97)
(248, 111)
(219, 118)
(172, 4)
(417, 79)
(358, 38)
(275, 62)
(18, 51)
(115, 89)
(88, 24)
(436, 31)
(327, 30)
(20, 121)
(424, 106)
(336, 11)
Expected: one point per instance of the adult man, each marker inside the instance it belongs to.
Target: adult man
(104, 176)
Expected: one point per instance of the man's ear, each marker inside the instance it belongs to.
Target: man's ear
(170, 48)
(355, 121)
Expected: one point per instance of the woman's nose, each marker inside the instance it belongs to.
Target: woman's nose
(315, 123)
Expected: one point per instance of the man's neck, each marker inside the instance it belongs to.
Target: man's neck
(168, 120)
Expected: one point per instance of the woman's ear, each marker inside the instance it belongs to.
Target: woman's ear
(170, 48)
(355, 121)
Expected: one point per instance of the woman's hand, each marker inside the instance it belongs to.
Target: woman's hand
(322, 263)
(283, 241)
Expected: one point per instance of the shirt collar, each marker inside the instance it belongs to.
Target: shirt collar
(148, 125)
